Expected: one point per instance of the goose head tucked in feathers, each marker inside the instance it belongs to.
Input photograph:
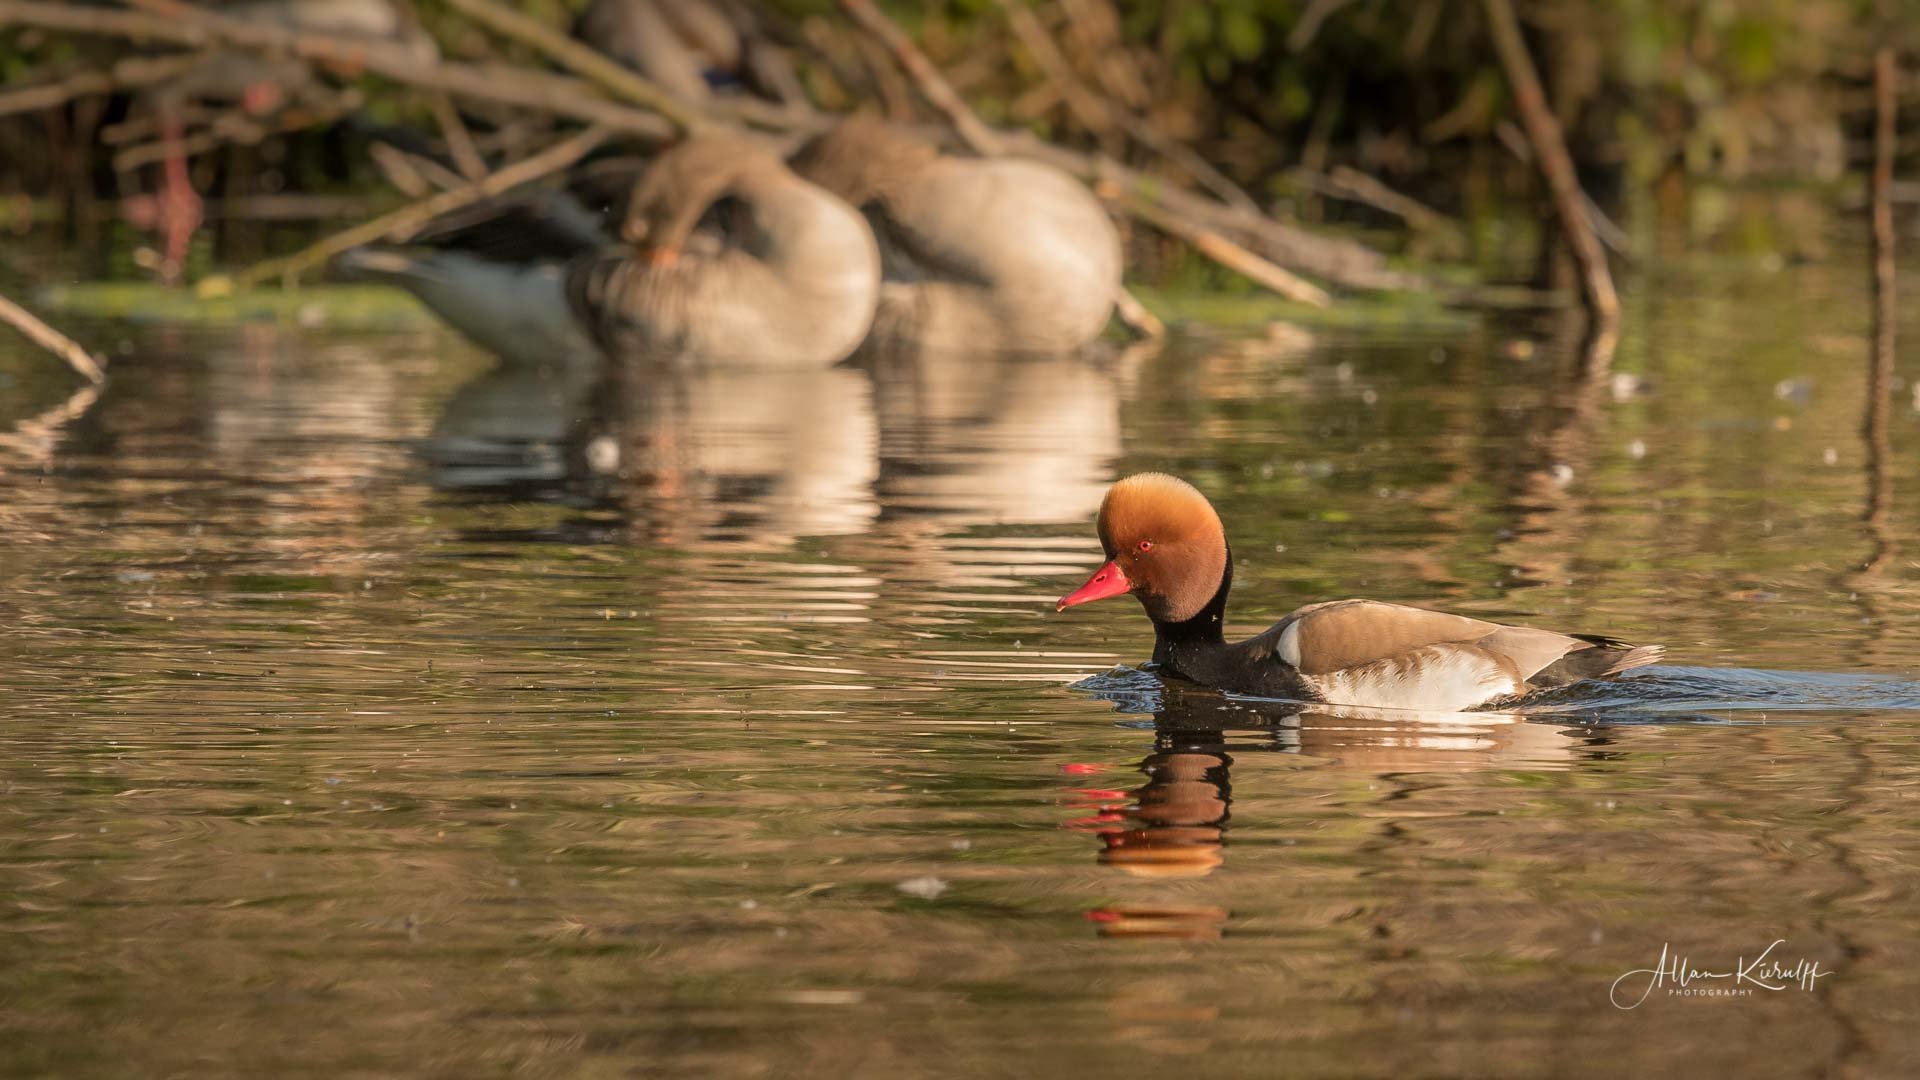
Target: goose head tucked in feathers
(678, 189)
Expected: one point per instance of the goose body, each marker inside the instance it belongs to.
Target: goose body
(1165, 544)
(729, 258)
(978, 254)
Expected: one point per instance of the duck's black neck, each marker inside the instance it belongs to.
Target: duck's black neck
(1185, 646)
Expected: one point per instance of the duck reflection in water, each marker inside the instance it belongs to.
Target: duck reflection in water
(1175, 824)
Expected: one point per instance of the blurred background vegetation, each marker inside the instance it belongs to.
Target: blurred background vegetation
(1293, 101)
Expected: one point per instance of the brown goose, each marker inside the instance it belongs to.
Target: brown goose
(996, 254)
(1165, 544)
(732, 259)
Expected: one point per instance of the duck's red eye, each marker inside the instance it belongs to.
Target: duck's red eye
(1146, 546)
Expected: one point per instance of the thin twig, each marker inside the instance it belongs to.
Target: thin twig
(1317, 13)
(1331, 257)
(1095, 113)
(1352, 185)
(1231, 255)
(407, 220)
(1550, 152)
(235, 126)
(590, 64)
(190, 26)
(126, 74)
(53, 341)
(459, 140)
(1609, 231)
(933, 86)
(411, 174)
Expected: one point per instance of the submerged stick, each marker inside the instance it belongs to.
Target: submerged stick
(404, 222)
(1874, 429)
(1556, 165)
(53, 341)
(1145, 324)
(36, 437)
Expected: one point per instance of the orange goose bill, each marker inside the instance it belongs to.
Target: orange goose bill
(1165, 545)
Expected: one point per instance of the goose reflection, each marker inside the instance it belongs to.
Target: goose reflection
(994, 438)
(717, 455)
(907, 448)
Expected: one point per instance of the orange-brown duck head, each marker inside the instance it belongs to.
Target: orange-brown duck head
(1164, 543)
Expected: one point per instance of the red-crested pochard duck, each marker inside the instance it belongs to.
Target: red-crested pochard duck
(977, 254)
(1165, 544)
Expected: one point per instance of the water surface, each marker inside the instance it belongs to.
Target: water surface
(368, 712)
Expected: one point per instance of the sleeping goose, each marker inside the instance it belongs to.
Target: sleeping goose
(725, 256)
(978, 254)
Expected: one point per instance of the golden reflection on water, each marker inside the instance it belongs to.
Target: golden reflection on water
(372, 710)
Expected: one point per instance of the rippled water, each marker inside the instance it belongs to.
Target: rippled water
(366, 712)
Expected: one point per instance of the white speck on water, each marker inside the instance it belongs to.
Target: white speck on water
(926, 888)
(1636, 449)
(1280, 549)
(961, 845)
(749, 905)
(1830, 456)
(1562, 474)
